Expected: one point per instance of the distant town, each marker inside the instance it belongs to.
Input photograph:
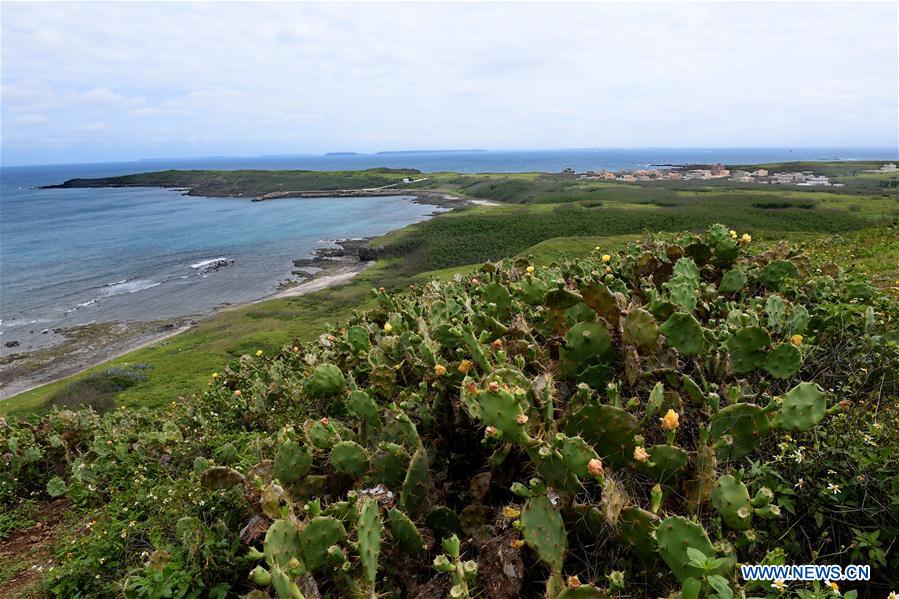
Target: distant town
(718, 171)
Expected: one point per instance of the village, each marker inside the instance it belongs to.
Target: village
(759, 176)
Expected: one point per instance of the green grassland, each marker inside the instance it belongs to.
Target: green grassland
(548, 217)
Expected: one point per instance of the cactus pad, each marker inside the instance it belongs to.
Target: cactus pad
(635, 527)
(665, 462)
(783, 361)
(325, 381)
(317, 537)
(737, 429)
(684, 333)
(608, 429)
(405, 533)
(731, 498)
(640, 329)
(674, 535)
(369, 534)
(282, 543)
(348, 457)
(732, 281)
(415, 486)
(292, 462)
(544, 531)
(586, 343)
(748, 349)
(803, 407)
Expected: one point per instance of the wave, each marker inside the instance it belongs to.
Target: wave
(128, 286)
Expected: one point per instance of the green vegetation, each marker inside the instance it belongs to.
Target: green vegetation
(479, 404)
(629, 423)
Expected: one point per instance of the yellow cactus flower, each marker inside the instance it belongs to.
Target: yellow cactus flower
(574, 582)
(258, 352)
(465, 366)
(747, 238)
(521, 419)
(640, 454)
(530, 270)
(215, 375)
(594, 467)
(519, 543)
(733, 234)
(388, 327)
(796, 340)
(510, 512)
(670, 421)
(293, 563)
(237, 393)
(606, 258)
(440, 370)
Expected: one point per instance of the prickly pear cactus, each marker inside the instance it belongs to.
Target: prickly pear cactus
(615, 394)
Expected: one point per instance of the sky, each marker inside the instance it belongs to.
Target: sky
(88, 82)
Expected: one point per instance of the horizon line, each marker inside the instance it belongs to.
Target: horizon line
(344, 153)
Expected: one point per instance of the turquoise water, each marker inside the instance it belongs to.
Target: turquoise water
(76, 256)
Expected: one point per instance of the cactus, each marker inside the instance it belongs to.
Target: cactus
(731, 498)
(284, 586)
(737, 429)
(776, 272)
(292, 462)
(674, 535)
(317, 537)
(369, 534)
(665, 462)
(363, 406)
(684, 333)
(461, 573)
(282, 543)
(325, 381)
(586, 344)
(499, 408)
(803, 407)
(544, 531)
(388, 465)
(608, 429)
(641, 329)
(732, 281)
(350, 458)
(748, 349)
(636, 528)
(415, 486)
(783, 361)
(405, 533)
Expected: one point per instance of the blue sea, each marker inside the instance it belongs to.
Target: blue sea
(78, 256)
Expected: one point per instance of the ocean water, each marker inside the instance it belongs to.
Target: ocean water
(77, 256)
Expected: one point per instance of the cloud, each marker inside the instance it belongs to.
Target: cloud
(245, 78)
(31, 119)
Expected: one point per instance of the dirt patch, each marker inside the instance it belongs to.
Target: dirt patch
(26, 554)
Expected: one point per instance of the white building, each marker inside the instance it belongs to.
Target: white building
(889, 167)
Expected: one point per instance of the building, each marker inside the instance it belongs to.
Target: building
(718, 170)
(889, 167)
(567, 171)
(788, 178)
(760, 173)
(698, 174)
(815, 180)
(629, 178)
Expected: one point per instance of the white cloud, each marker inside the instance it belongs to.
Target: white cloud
(31, 119)
(293, 77)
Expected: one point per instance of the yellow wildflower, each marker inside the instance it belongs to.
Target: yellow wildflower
(606, 258)
(440, 370)
(747, 238)
(510, 512)
(796, 340)
(733, 234)
(530, 270)
(258, 352)
(833, 586)
(388, 327)
(779, 584)
(465, 366)
(215, 375)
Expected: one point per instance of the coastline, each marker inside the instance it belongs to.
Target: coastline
(83, 347)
